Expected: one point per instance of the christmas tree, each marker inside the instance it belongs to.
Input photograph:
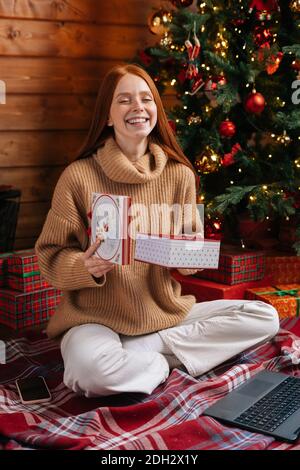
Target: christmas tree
(235, 69)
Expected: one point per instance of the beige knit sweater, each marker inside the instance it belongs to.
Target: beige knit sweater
(136, 299)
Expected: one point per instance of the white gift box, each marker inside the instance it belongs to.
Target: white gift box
(177, 251)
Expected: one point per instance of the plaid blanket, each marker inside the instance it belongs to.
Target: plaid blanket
(169, 419)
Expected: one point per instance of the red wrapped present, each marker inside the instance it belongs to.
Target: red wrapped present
(205, 290)
(284, 297)
(283, 269)
(236, 266)
(23, 272)
(19, 310)
(3, 268)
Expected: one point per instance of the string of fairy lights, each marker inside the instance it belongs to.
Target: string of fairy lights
(159, 23)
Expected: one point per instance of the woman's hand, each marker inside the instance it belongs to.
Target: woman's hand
(187, 271)
(97, 267)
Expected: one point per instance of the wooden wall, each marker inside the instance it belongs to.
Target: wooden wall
(52, 57)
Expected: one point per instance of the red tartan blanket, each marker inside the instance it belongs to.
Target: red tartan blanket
(171, 418)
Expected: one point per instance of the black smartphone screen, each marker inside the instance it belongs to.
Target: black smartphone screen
(33, 388)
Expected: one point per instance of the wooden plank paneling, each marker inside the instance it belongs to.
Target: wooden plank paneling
(52, 75)
(169, 100)
(36, 112)
(32, 112)
(39, 148)
(36, 183)
(31, 219)
(112, 11)
(24, 243)
(52, 39)
(53, 56)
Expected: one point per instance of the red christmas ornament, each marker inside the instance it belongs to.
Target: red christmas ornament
(255, 103)
(261, 53)
(210, 86)
(227, 129)
(228, 158)
(221, 80)
(193, 51)
(264, 8)
(263, 36)
(273, 63)
(181, 3)
(197, 84)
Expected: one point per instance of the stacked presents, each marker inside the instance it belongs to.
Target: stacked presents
(284, 291)
(249, 274)
(25, 298)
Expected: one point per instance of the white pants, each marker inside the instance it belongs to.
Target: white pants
(100, 362)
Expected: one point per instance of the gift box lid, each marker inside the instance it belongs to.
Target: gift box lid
(278, 291)
(22, 257)
(239, 259)
(181, 237)
(11, 294)
(5, 255)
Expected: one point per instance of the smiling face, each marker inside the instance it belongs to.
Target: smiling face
(133, 112)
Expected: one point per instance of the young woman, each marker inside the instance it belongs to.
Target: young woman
(124, 327)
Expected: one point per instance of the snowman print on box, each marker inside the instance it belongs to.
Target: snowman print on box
(106, 225)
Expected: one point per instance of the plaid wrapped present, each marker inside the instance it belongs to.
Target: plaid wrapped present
(283, 269)
(19, 310)
(23, 272)
(3, 268)
(284, 297)
(236, 266)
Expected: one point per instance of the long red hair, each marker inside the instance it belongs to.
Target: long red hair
(99, 131)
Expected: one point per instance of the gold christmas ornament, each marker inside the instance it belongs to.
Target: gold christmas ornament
(159, 21)
(295, 6)
(208, 161)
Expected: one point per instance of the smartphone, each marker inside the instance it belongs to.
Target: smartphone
(33, 390)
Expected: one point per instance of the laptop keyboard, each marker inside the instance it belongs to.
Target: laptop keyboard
(274, 408)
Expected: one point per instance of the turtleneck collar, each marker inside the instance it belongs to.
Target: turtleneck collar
(118, 167)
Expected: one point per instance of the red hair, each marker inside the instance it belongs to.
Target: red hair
(99, 131)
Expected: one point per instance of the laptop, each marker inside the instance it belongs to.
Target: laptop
(268, 403)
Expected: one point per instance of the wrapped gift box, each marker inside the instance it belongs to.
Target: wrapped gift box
(283, 269)
(236, 265)
(3, 268)
(205, 290)
(177, 251)
(29, 282)
(23, 272)
(19, 310)
(284, 297)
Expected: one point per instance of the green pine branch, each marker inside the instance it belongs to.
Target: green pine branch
(294, 49)
(288, 121)
(227, 96)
